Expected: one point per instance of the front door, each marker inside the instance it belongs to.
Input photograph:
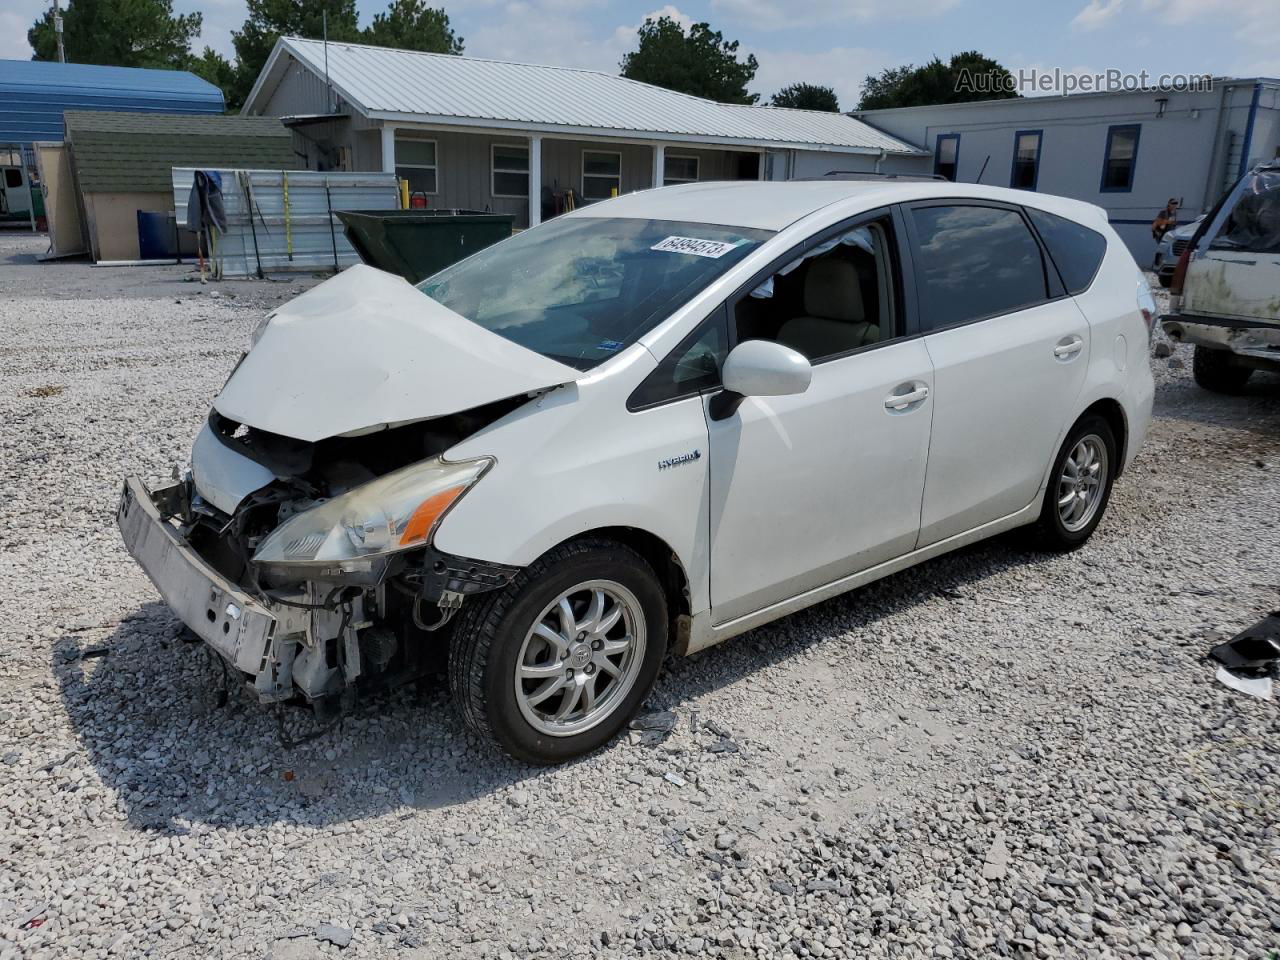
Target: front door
(1010, 352)
(810, 488)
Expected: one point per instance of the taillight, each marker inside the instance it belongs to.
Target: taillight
(1180, 272)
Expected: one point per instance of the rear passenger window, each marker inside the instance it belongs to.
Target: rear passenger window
(1076, 250)
(973, 262)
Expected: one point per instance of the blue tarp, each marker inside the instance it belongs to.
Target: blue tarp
(34, 94)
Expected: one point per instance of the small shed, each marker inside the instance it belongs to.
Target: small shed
(123, 163)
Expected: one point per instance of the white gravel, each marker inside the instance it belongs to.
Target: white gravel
(997, 754)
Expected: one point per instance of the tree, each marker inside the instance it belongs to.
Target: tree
(700, 62)
(214, 67)
(123, 33)
(968, 76)
(807, 96)
(412, 25)
(270, 19)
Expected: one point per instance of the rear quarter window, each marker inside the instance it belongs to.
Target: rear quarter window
(1076, 250)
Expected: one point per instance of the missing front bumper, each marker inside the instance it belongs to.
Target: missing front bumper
(255, 638)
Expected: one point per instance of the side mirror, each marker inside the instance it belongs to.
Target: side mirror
(760, 368)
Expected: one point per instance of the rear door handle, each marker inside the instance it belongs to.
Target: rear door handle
(1068, 348)
(900, 401)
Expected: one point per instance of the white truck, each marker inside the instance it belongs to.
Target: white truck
(1225, 295)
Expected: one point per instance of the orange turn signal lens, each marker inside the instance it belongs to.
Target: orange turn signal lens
(427, 515)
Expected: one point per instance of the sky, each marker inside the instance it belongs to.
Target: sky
(836, 42)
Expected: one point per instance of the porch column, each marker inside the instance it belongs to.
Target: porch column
(388, 149)
(659, 163)
(535, 180)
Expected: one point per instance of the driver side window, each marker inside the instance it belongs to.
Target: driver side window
(835, 297)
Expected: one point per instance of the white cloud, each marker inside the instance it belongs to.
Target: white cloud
(546, 31)
(1097, 13)
(841, 68)
(1254, 21)
(15, 20)
(773, 14)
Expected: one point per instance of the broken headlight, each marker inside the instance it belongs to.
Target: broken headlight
(355, 531)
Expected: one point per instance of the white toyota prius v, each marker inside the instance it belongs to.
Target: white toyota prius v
(640, 429)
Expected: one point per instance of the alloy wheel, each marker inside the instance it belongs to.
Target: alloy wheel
(580, 658)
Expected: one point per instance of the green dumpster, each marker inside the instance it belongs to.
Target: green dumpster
(417, 243)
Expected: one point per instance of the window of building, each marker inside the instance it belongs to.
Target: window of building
(1026, 159)
(510, 170)
(1076, 250)
(835, 297)
(946, 156)
(679, 169)
(416, 162)
(601, 174)
(973, 262)
(1121, 158)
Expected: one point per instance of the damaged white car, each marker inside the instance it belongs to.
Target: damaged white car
(642, 428)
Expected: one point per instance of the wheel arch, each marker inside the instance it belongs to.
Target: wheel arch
(666, 563)
(1112, 411)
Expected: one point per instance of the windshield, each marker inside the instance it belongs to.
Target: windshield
(1254, 223)
(580, 289)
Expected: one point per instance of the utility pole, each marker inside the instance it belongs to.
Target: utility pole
(57, 29)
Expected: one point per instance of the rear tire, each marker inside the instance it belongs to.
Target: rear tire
(555, 664)
(1166, 280)
(1079, 485)
(1218, 370)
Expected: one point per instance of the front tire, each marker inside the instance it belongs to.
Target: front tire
(1079, 485)
(1217, 370)
(555, 664)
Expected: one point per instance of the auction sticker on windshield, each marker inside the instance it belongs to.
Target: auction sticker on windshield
(692, 245)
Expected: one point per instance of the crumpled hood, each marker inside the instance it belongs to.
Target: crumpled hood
(365, 349)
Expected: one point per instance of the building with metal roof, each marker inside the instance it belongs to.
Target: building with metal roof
(468, 132)
(123, 165)
(1128, 151)
(35, 94)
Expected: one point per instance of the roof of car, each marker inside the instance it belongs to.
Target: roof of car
(773, 205)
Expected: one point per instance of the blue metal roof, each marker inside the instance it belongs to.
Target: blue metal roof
(34, 94)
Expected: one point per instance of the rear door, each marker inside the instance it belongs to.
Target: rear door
(1237, 277)
(1010, 351)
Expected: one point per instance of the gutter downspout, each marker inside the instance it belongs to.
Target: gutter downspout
(1248, 130)
(880, 158)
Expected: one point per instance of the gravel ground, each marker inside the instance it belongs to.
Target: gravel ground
(999, 753)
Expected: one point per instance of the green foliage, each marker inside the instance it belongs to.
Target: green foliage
(123, 33)
(412, 25)
(700, 62)
(807, 96)
(214, 67)
(270, 19)
(938, 82)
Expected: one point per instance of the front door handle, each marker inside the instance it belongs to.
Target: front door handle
(1068, 348)
(900, 401)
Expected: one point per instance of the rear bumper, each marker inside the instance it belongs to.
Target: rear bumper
(1256, 342)
(244, 631)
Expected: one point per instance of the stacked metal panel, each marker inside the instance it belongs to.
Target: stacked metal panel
(293, 225)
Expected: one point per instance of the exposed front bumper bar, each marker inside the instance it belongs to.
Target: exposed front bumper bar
(245, 632)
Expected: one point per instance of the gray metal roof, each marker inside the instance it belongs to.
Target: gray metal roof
(430, 87)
